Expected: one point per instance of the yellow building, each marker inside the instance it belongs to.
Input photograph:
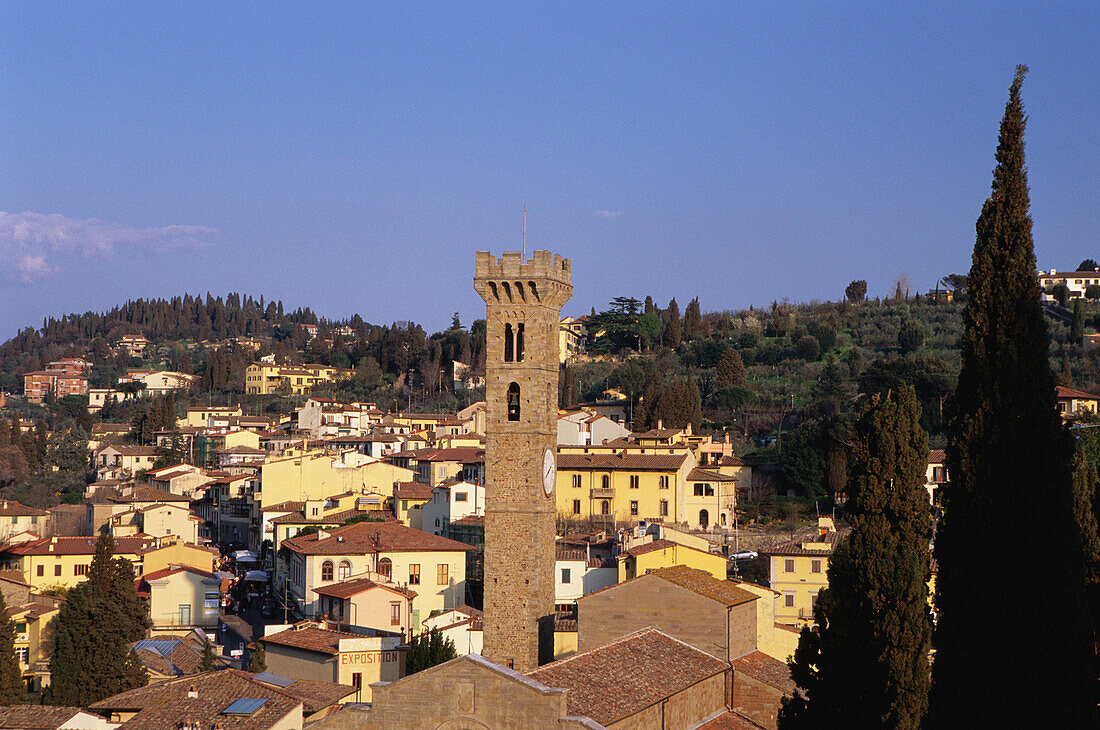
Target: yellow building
(624, 487)
(199, 416)
(156, 558)
(319, 476)
(64, 561)
(409, 499)
(798, 571)
(32, 639)
(657, 554)
(16, 518)
(181, 598)
(432, 566)
(264, 378)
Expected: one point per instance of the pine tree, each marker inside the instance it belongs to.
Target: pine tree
(1009, 463)
(12, 690)
(427, 650)
(730, 372)
(671, 335)
(1065, 375)
(867, 664)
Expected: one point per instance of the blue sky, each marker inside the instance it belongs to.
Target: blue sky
(352, 157)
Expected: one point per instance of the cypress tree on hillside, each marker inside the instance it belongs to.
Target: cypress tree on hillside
(693, 320)
(1077, 324)
(12, 690)
(867, 664)
(671, 336)
(731, 371)
(1008, 654)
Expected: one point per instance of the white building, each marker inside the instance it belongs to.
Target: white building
(588, 428)
(452, 501)
(577, 573)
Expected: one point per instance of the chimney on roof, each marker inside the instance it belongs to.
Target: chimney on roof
(660, 424)
(191, 693)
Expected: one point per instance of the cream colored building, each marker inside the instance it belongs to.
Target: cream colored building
(16, 517)
(158, 520)
(432, 566)
(318, 476)
(266, 378)
(200, 416)
(159, 557)
(180, 598)
(369, 601)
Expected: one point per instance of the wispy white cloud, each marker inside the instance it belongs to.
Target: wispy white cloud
(607, 214)
(31, 243)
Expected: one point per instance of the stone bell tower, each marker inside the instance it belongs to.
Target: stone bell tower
(523, 305)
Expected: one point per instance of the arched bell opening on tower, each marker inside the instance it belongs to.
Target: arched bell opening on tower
(513, 401)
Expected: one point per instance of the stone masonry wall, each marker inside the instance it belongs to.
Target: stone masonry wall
(519, 516)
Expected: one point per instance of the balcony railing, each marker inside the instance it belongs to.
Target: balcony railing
(603, 492)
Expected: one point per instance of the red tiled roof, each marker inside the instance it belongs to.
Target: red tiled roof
(151, 494)
(1071, 393)
(413, 490)
(313, 638)
(703, 475)
(729, 721)
(465, 454)
(795, 548)
(354, 587)
(616, 680)
(36, 717)
(705, 584)
(163, 705)
(766, 669)
(363, 538)
(11, 508)
(285, 507)
(625, 461)
(79, 546)
(937, 456)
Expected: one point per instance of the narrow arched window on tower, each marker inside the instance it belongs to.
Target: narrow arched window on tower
(508, 343)
(519, 342)
(513, 402)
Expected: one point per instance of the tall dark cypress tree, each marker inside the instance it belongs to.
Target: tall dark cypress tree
(867, 664)
(1012, 637)
(99, 618)
(12, 690)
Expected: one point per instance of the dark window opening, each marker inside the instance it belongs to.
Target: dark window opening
(519, 342)
(508, 343)
(513, 402)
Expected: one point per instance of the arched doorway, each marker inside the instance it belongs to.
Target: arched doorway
(722, 519)
(704, 519)
(605, 507)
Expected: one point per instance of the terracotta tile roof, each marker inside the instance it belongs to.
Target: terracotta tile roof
(173, 569)
(795, 548)
(658, 433)
(313, 694)
(336, 518)
(619, 679)
(413, 490)
(134, 450)
(731, 461)
(766, 669)
(465, 454)
(312, 638)
(151, 494)
(284, 507)
(626, 461)
(704, 475)
(360, 539)
(36, 717)
(705, 584)
(165, 704)
(937, 456)
(729, 721)
(11, 508)
(1071, 393)
(354, 587)
(13, 576)
(79, 546)
(654, 546)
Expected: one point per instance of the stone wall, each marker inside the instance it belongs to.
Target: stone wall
(650, 601)
(519, 516)
(756, 700)
(682, 710)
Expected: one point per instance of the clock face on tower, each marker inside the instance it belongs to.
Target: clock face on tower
(549, 472)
